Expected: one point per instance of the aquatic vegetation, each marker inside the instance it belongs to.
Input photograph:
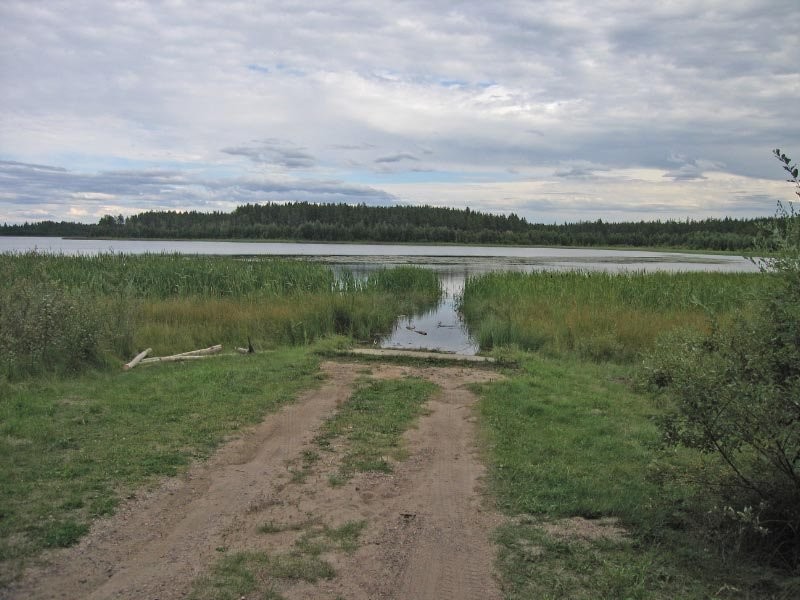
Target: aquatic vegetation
(598, 315)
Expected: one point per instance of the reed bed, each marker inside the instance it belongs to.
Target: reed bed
(598, 315)
(170, 275)
(109, 306)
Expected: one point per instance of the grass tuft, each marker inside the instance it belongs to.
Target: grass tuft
(241, 573)
(372, 423)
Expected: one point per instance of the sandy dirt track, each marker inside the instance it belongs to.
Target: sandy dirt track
(428, 527)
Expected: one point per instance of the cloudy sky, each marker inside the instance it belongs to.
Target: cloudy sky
(556, 110)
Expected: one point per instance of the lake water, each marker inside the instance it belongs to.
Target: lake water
(440, 329)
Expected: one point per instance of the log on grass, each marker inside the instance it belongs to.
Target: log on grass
(136, 359)
(174, 358)
(191, 355)
(203, 352)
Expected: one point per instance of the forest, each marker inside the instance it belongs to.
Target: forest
(308, 222)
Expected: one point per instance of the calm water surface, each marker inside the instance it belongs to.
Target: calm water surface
(440, 329)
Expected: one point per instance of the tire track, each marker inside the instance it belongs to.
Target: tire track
(427, 534)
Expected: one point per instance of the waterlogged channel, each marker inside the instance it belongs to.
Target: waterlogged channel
(440, 329)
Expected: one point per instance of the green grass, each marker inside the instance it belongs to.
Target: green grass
(162, 276)
(240, 574)
(567, 438)
(69, 448)
(557, 435)
(372, 423)
(596, 315)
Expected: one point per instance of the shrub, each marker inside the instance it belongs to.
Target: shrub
(734, 393)
(47, 328)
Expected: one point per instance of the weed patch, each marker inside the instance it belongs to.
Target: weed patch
(371, 424)
(241, 573)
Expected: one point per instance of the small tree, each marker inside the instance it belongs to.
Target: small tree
(787, 231)
(734, 393)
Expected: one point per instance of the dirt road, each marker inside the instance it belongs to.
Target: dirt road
(426, 525)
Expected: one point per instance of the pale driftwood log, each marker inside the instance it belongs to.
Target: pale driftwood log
(191, 355)
(136, 360)
(174, 358)
(203, 352)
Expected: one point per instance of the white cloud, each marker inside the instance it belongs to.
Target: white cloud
(385, 92)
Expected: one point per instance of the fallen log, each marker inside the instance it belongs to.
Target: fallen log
(202, 352)
(191, 355)
(136, 359)
(174, 358)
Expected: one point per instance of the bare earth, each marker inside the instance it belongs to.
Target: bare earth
(427, 533)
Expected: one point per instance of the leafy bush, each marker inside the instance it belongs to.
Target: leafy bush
(734, 393)
(47, 328)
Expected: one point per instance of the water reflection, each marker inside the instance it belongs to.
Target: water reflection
(441, 329)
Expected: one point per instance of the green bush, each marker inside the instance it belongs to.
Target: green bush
(734, 394)
(47, 328)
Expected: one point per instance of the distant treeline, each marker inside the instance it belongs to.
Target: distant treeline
(416, 224)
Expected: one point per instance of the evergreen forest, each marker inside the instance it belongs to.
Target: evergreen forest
(304, 221)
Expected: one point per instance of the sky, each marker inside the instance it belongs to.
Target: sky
(557, 111)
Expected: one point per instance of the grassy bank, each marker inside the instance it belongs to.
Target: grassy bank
(571, 444)
(70, 448)
(59, 313)
(574, 456)
(574, 453)
(597, 315)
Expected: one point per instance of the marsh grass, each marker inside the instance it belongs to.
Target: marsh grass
(162, 276)
(71, 448)
(66, 313)
(597, 315)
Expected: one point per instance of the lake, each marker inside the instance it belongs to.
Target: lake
(440, 329)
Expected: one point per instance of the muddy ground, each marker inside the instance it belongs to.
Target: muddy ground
(428, 524)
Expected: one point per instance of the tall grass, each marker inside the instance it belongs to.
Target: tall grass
(113, 304)
(161, 276)
(598, 315)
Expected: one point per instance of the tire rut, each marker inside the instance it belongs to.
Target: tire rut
(427, 533)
